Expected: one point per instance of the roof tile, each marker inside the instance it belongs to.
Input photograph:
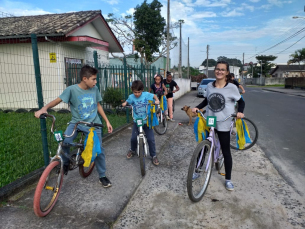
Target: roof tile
(52, 24)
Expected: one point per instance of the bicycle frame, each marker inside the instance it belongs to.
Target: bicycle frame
(141, 135)
(214, 143)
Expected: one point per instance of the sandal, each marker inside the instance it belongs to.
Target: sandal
(155, 160)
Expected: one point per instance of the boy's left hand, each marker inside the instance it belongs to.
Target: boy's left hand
(240, 115)
(109, 127)
(157, 102)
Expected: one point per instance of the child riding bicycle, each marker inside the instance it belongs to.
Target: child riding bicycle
(221, 97)
(84, 103)
(139, 101)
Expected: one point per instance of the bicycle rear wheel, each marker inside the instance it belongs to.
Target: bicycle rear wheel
(142, 158)
(162, 127)
(200, 170)
(48, 188)
(253, 135)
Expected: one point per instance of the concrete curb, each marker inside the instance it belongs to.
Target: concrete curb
(19, 184)
(267, 89)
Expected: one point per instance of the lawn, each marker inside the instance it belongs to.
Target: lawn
(21, 144)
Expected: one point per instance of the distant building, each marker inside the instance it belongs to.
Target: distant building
(211, 74)
(284, 71)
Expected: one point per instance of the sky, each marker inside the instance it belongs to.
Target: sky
(231, 28)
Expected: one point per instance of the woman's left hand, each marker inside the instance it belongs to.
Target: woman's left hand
(240, 115)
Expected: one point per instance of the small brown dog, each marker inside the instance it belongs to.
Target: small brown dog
(189, 113)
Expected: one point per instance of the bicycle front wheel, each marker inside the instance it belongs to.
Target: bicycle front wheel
(200, 170)
(48, 188)
(162, 127)
(141, 155)
(250, 140)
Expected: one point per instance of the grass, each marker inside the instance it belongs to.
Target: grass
(21, 145)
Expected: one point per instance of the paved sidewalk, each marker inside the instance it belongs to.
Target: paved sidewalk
(297, 92)
(262, 199)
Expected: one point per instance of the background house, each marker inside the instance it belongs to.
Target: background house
(65, 41)
(285, 71)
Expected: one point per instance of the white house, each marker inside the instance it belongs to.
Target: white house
(64, 40)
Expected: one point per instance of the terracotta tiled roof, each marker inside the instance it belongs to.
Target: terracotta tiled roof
(48, 24)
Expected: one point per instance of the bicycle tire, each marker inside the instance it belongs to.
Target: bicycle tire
(253, 131)
(162, 127)
(42, 204)
(141, 155)
(204, 149)
(85, 171)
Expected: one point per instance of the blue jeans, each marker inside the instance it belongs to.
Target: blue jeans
(100, 162)
(149, 136)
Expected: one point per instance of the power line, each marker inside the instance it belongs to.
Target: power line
(291, 45)
(292, 36)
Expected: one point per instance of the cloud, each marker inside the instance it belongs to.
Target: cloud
(130, 11)
(21, 9)
(232, 13)
(213, 3)
(111, 2)
(254, 0)
(200, 15)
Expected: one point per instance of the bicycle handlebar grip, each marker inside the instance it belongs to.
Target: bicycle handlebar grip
(92, 124)
(234, 115)
(42, 116)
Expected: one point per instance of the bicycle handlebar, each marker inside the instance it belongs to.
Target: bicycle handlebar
(230, 116)
(89, 124)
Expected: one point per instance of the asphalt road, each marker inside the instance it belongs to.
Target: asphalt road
(280, 119)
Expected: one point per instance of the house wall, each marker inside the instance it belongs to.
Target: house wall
(265, 81)
(184, 85)
(285, 74)
(88, 30)
(17, 76)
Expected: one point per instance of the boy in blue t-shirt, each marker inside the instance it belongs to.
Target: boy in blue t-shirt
(84, 99)
(139, 101)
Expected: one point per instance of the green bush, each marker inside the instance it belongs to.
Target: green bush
(113, 96)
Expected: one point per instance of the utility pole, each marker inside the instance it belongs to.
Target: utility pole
(188, 57)
(180, 48)
(167, 40)
(242, 69)
(261, 68)
(207, 61)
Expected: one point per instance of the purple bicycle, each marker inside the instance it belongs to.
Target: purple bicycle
(207, 152)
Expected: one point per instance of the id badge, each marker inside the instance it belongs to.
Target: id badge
(58, 136)
(211, 121)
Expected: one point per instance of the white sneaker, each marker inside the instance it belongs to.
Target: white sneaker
(172, 120)
(167, 117)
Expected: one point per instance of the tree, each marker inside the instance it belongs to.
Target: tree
(231, 61)
(212, 63)
(297, 57)
(265, 61)
(145, 30)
